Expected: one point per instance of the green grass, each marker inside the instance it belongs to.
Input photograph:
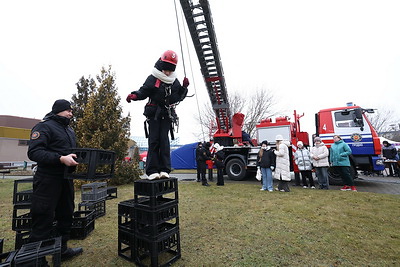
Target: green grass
(238, 225)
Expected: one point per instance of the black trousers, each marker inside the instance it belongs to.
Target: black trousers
(158, 155)
(297, 179)
(220, 176)
(202, 166)
(305, 175)
(345, 174)
(210, 175)
(283, 185)
(198, 171)
(52, 200)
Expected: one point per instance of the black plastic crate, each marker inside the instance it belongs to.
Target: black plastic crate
(165, 213)
(112, 192)
(21, 238)
(125, 244)
(99, 207)
(94, 164)
(82, 218)
(94, 191)
(126, 208)
(32, 253)
(126, 223)
(154, 232)
(153, 203)
(161, 252)
(22, 218)
(23, 190)
(82, 232)
(7, 259)
(158, 187)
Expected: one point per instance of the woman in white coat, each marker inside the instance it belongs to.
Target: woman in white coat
(282, 169)
(319, 154)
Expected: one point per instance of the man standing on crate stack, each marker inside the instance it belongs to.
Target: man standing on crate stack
(50, 145)
(164, 92)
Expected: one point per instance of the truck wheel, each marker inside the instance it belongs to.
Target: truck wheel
(235, 169)
(334, 177)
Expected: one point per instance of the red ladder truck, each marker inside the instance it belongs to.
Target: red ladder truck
(349, 122)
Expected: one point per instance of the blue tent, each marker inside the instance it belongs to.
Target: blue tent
(184, 157)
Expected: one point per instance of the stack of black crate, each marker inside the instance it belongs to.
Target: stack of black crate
(93, 198)
(94, 164)
(22, 219)
(148, 225)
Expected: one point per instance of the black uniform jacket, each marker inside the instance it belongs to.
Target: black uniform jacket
(51, 139)
(219, 159)
(201, 154)
(267, 160)
(160, 94)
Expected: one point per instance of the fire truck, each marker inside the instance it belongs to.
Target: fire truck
(349, 122)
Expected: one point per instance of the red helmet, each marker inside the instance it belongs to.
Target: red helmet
(170, 57)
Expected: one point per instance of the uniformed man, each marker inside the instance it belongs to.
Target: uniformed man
(201, 159)
(51, 144)
(199, 150)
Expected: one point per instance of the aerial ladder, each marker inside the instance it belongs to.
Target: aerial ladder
(240, 160)
(199, 21)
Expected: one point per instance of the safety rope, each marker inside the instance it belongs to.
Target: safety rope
(180, 40)
(190, 64)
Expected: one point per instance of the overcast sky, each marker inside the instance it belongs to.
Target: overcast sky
(310, 54)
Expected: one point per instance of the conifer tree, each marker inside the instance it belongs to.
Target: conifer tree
(100, 124)
(85, 88)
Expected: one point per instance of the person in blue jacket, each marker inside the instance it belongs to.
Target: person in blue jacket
(340, 161)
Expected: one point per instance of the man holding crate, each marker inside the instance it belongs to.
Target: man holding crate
(50, 145)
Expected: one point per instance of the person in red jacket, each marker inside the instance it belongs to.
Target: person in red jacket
(164, 92)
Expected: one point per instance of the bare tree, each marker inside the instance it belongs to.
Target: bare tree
(385, 122)
(255, 106)
(382, 119)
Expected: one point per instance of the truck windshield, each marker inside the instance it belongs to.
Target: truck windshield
(346, 119)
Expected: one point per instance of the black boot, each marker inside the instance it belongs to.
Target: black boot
(69, 253)
(204, 182)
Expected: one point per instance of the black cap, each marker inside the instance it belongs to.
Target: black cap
(60, 105)
(264, 142)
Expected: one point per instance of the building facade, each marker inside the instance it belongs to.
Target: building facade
(14, 136)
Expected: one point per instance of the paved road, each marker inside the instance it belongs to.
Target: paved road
(376, 184)
(384, 185)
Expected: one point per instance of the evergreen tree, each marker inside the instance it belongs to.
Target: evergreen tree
(100, 124)
(85, 88)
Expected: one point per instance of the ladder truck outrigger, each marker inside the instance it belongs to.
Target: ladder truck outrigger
(350, 122)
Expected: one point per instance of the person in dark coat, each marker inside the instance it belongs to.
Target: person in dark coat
(266, 161)
(164, 92)
(219, 163)
(246, 138)
(201, 159)
(199, 149)
(50, 145)
(389, 152)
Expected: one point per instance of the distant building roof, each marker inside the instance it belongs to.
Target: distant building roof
(17, 122)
